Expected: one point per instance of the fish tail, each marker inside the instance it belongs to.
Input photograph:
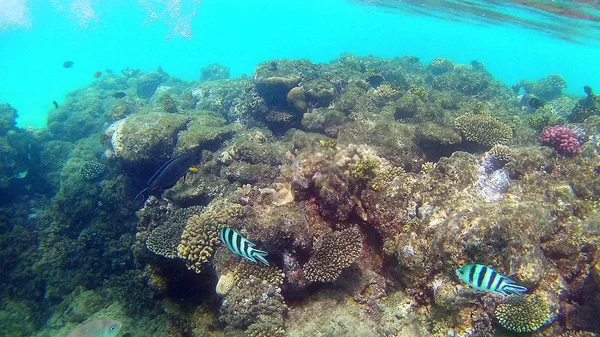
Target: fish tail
(137, 196)
(260, 255)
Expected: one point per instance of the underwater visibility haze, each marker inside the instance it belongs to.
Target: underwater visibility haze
(297, 168)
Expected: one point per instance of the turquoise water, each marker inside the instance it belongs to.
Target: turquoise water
(240, 34)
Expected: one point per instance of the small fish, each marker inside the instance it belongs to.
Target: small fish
(486, 279)
(68, 64)
(119, 94)
(21, 175)
(193, 169)
(97, 74)
(55, 104)
(241, 246)
(97, 328)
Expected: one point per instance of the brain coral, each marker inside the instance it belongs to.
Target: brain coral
(483, 129)
(523, 313)
(337, 251)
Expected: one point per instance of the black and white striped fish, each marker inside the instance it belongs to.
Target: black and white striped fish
(484, 278)
(241, 246)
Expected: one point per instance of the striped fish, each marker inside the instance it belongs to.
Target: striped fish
(241, 246)
(484, 278)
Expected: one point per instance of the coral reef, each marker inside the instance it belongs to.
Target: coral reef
(547, 88)
(254, 302)
(366, 180)
(145, 137)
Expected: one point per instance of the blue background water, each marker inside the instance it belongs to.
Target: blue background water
(240, 34)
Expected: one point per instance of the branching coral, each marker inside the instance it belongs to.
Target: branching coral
(337, 251)
(201, 233)
(483, 129)
(523, 313)
(165, 239)
(562, 139)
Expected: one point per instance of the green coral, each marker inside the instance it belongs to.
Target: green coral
(365, 169)
(523, 313)
(483, 129)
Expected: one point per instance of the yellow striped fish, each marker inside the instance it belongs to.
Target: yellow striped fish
(486, 279)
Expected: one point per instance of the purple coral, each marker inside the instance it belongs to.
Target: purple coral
(562, 139)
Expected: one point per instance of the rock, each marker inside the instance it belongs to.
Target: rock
(147, 138)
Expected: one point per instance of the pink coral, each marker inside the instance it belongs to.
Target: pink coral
(562, 139)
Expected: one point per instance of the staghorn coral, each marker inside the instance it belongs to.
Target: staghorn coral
(483, 129)
(522, 313)
(91, 170)
(201, 233)
(337, 250)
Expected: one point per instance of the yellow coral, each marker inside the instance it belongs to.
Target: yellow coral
(523, 313)
(364, 169)
(201, 233)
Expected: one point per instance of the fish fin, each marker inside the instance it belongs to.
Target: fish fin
(514, 289)
(137, 196)
(260, 255)
(162, 168)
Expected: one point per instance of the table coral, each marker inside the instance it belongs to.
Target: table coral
(337, 250)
